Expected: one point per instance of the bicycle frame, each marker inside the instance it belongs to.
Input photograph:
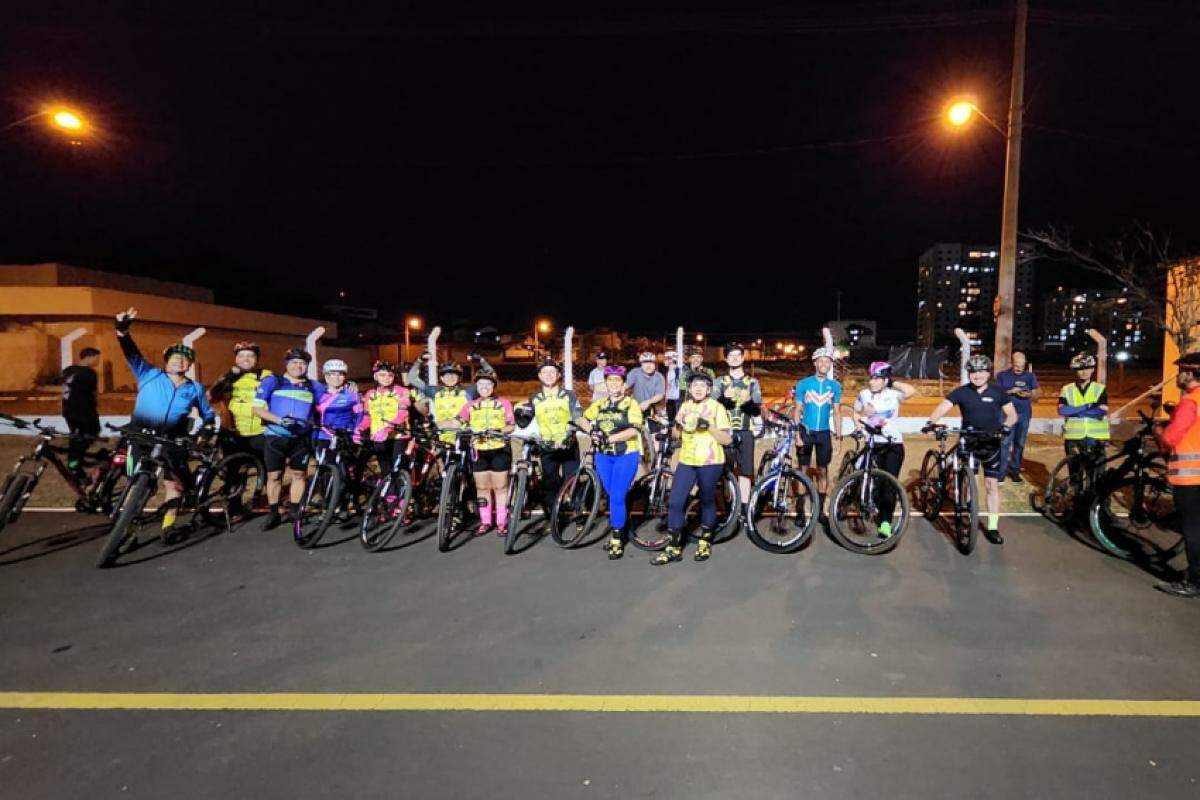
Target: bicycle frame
(46, 452)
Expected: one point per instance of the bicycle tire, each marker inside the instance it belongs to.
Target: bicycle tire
(1062, 493)
(108, 494)
(766, 530)
(646, 511)
(516, 504)
(322, 495)
(966, 515)
(729, 506)
(575, 507)
(931, 486)
(449, 504)
(839, 526)
(385, 511)
(18, 488)
(1138, 546)
(239, 465)
(134, 503)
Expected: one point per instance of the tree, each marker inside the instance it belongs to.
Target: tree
(1163, 286)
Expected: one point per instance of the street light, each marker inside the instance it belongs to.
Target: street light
(63, 120)
(410, 324)
(541, 327)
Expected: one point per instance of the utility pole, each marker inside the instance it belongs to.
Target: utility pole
(1006, 287)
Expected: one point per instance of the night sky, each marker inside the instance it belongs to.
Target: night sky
(727, 166)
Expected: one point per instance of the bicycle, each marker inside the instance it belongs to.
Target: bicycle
(1072, 482)
(201, 490)
(407, 491)
(458, 486)
(95, 492)
(577, 504)
(950, 473)
(338, 482)
(1137, 492)
(856, 500)
(527, 481)
(781, 511)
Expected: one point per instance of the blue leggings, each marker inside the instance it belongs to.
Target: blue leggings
(681, 486)
(616, 476)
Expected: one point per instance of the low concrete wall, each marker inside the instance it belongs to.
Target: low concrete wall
(28, 357)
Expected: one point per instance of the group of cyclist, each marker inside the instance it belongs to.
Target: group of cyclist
(284, 417)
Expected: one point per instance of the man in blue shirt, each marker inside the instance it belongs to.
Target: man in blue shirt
(165, 399)
(285, 402)
(1022, 387)
(817, 399)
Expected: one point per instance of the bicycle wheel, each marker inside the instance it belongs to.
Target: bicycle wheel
(516, 504)
(317, 509)
(576, 507)
(16, 492)
(646, 511)
(451, 505)
(931, 488)
(108, 493)
(729, 506)
(856, 516)
(781, 512)
(129, 518)
(1114, 520)
(1063, 491)
(385, 511)
(233, 484)
(966, 511)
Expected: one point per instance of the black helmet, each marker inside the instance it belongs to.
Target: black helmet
(1083, 361)
(1189, 361)
(487, 375)
(251, 346)
(701, 375)
(729, 348)
(297, 353)
(979, 363)
(548, 362)
(449, 367)
(382, 365)
(179, 349)
(523, 414)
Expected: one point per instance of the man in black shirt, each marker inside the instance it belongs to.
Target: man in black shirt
(79, 403)
(988, 408)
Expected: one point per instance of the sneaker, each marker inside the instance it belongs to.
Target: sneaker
(483, 528)
(615, 549)
(173, 535)
(1016, 478)
(672, 553)
(993, 536)
(273, 520)
(1184, 588)
(703, 550)
(885, 530)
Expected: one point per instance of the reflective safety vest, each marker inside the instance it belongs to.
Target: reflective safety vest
(447, 402)
(241, 401)
(1077, 428)
(1183, 467)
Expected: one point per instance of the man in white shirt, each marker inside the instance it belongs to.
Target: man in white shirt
(596, 377)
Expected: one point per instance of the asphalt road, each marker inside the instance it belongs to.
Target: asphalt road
(1043, 617)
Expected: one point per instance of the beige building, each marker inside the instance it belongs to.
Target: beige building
(49, 312)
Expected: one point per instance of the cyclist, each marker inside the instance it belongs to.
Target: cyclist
(646, 385)
(236, 389)
(705, 430)
(742, 397)
(596, 376)
(1182, 437)
(79, 384)
(386, 412)
(165, 400)
(674, 391)
(695, 364)
(986, 408)
(817, 400)
(554, 408)
(613, 422)
(491, 459)
(448, 399)
(285, 403)
(339, 406)
(1084, 403)
(879, 406)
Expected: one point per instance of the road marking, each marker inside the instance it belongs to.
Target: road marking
(591, 703)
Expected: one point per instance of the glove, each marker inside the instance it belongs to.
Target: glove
(726, 401)
(701, 424)
(293, 425)
(751, 408)
(599, 439)
(122, 323)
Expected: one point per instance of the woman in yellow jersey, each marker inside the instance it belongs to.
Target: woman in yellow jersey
(491, 457)
(614, 422)
(555, 407)
(704, 427)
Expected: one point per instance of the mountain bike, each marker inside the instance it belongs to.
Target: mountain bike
(96, 490)
(577, 504)
(1072, 482)
(337, 488)
(527, 481)
(858, 497)
(209, 490)
(458, 488)
(408, 490)
(781, 512)
(949, 474)
(1132, 514)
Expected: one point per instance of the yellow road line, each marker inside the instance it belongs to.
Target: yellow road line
(607, 703)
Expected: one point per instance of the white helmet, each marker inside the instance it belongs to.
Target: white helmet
(335, 365)
(822, 352)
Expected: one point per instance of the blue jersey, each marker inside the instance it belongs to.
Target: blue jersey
(283, 398)
(818, 396)
(340, 410)
(161, 405)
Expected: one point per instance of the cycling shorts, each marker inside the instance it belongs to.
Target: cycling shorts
(290, 450)
(492, 460)
(820, 442)
(742, 451)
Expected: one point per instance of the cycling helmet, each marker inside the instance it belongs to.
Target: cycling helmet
(383, 366)
(670, 354)
(1083, 361)
(548, 362)
(822, 352)
(251, 346)
(979, 363)
(701, 376)
(732, 346)
(450, 366)
(615, 369)
(695, 351)
(1189, 361)
(602, 354)
(647, 356)
(523, 414)
(179, 349)
(487, 375)
(880, 369)
(335, 365)
(297, 353)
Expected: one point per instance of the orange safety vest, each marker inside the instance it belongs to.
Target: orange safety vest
(1184, 464)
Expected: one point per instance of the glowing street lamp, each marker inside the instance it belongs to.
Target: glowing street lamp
(959, 113)
(60, 119)
(541, 327)
(410, 324)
